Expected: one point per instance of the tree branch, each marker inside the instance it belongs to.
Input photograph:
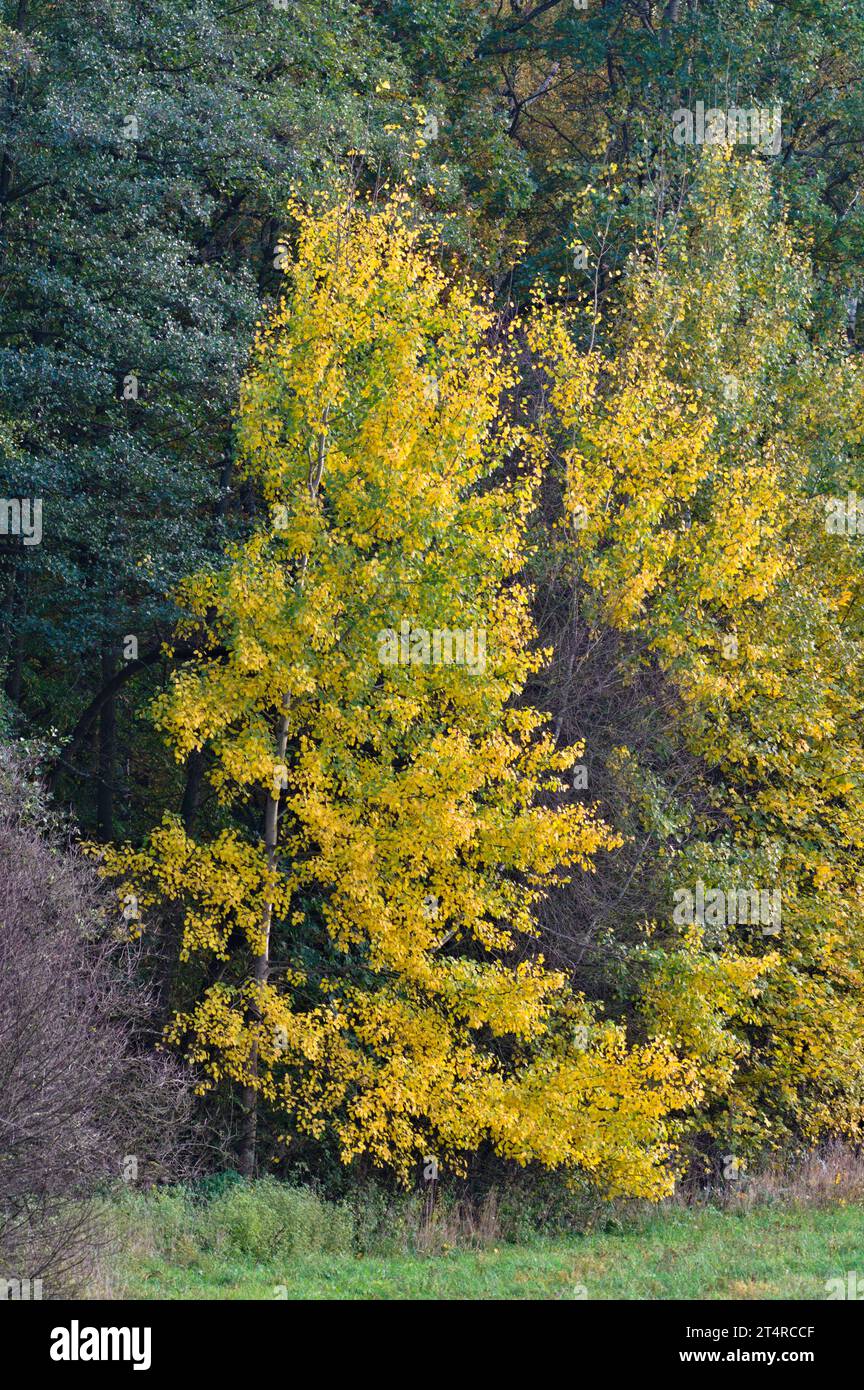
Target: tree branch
(182, 651)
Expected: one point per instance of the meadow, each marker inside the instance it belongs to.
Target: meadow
(263, 1241)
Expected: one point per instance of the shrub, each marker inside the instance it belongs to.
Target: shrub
(268, 1220)
(78, 1097)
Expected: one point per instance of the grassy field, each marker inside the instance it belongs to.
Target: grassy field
(703, 1253)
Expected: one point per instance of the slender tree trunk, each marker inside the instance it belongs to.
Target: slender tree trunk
(249, 1127)
(192, 789)
(249, 1131)
(168, 960)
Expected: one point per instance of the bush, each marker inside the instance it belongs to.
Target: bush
(264, 1221)
(267, 1220)
(79, 1100)
(158, 1223)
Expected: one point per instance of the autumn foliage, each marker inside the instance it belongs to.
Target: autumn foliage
(379, 969)
(364, 908)
(700, 453)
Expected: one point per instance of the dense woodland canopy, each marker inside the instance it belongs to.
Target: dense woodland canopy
(321, 322)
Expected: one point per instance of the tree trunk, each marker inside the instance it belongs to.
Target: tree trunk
(249, 1128)
(192, 790)
(249, 1131)
(171, 936)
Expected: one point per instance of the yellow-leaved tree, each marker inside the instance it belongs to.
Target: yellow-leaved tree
(391, 812)
(706, 454)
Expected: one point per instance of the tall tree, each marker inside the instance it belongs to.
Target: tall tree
(709, 465)
(376, 924)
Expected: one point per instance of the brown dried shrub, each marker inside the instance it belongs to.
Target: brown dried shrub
(83, 1101)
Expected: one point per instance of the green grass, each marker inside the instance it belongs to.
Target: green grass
(704, 1253)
